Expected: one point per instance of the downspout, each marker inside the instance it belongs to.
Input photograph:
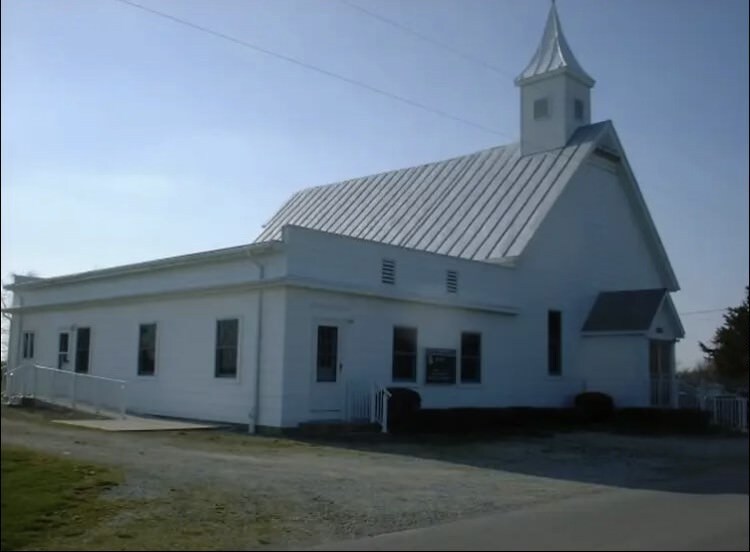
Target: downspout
(255, 410)
(16, 323)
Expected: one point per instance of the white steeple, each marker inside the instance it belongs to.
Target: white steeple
(555, 92)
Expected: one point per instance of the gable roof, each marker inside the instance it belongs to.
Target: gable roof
(553, 55)
(485, 206)
(620, 311)
(481, 206)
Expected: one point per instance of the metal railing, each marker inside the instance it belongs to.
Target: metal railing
(379, 410)
(66, 388)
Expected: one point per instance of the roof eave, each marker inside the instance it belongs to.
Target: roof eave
(583, 78)
(215, 255)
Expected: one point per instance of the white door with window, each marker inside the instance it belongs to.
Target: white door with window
(661, 354)
(327, 387)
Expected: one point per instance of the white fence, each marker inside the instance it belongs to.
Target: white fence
(367, 403)
(358, 402)
(66, 388)
(727, 411)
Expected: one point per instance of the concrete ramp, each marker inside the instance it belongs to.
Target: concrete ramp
(136, 423)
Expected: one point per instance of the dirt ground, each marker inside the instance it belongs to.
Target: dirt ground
(229, 490)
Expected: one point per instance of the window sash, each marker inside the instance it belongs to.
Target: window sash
(404, 367)
(28, 345)
(83, 347)
(227, 345)
(147, 349)
(554, 343)
(471, 357)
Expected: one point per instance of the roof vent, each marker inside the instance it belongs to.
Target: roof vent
(451, 281)
(388, 271)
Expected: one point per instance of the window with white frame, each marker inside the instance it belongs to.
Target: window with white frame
(541, 108)
(227, 339)
(147, 349)
(28, 345)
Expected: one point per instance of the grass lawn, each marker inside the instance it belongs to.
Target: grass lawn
(53, 503)
(46, 498)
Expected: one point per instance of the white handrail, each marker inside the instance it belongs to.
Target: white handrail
(68, 387)
(379, 406)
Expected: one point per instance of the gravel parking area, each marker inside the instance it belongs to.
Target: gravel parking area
(224, 486)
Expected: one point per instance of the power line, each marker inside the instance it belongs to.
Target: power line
(688, 313)
(326, 72)
(315, 68)
(434, 42)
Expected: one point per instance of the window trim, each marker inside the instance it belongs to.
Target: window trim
(156, 351)
(459, 371)
(24, 343)
(236, 377)
(415, 379)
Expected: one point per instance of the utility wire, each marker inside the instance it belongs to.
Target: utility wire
(426, 38)
(413, 103)
(688, 313)
(315, 68)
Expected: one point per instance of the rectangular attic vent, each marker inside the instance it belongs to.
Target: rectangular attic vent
(451, 281)
(388, 271)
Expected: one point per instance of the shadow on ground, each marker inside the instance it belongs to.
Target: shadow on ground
(700, 465)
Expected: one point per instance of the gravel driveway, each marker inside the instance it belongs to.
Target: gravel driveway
(306, 493)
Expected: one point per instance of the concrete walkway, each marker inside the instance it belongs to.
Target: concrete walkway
(615, 520)
(136, 423)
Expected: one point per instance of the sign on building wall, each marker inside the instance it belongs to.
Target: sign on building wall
(441, 366)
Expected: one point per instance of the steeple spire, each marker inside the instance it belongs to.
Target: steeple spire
(555, 92)
(553, 55)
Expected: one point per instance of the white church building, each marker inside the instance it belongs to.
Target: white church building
(520, 275)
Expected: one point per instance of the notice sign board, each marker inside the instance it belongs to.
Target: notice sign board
(441, 366)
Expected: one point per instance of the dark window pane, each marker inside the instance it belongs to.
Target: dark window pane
(226, 362)
(147, 349)
(404, 367)
(470, 370)
(84, 338)
(327, 356)
(227, 334)
(147, 336)
(83, 343)
(63, 343)
(146, 362)
(471, 357)
(404, 354)
(554, 343)
(471, 344)
(28, 345)
(405, 339)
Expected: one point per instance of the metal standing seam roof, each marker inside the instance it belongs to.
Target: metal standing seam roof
(481, 206)
(617, 311)
(553, 54)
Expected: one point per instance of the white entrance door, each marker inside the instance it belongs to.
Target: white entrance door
(327, 388)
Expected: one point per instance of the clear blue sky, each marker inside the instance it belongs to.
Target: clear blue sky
(127, 137)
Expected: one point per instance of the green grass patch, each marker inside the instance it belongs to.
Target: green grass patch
(46, 498)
